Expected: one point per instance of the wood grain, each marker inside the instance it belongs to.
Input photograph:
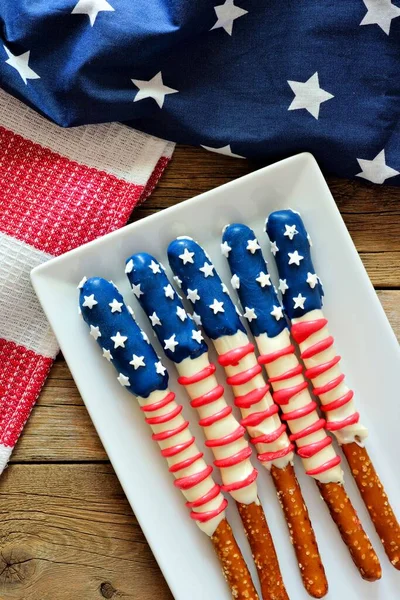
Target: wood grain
(67, 530)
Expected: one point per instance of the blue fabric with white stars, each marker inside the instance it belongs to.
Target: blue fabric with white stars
(142, 380)
(153, 282)
(248, 266)
(295, 275)
(244, 77)
(208, 288)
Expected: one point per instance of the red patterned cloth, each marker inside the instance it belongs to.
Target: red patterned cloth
(59, 188)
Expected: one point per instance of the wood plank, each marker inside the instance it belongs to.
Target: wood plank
(68, 532)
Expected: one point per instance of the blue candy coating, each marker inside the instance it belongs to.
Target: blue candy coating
(247, 267)
(209, 289)
(153, 300)
(143, 380)
(296, 276)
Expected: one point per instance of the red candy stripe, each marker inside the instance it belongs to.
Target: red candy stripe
(173, 450)
(319, 369)
(232, 357)
(336, 425)
(265, 359)
(310, 449)
(339, 402)
(160, 404)
(297, 370)
(244, 376)
(268, 438)
(165, 418)
(323, 389)
(230, 461)
(206, 516)
(325, 467)
(285, 395)
(185, 463)
(165, 435)
(210, 495)
(253, 397)
(203, 374)
(268, 456)
(300, 412)
(186, 483)
(301, 331)
(226, 439)
(238, 485)
(209, 397)
(317, 426)
(207, 421)
(317, 348)
(258, 417)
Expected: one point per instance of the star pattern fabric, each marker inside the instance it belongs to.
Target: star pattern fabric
(310, 95)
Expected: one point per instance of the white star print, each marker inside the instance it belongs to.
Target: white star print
(136, 290)
(299, 301)
(250, 314)
(235, 282)
(95, 332)
(154, 88)
(264, 279)
(20, 64)
(376, 170)
(207, 269)
(291, 231)
(308, 95)
(123, 380)
(197, 319)
(137, 361)
(187, 257)
(170, 343)
(89, 301)
(154, 319)
(115, 306)
(129, 266)
(380, 12)
(181, 313)
(82, 283)
(169, 292)
(119, 340)
(160, 369)
(294, 258)
(227, 13)
(225, 249)
(177, 281)
(107, 354)
(217, 307)
(252, 246)
(283, 286)
(312, 280)
(225, 150)
(154, 267)
(91, 8)
(277, 312)
(192, 295)
(145, 337)
(274, 248)
(196, 335)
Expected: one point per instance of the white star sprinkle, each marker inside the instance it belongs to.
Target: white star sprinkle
(154, 319)
(294, 258)
(380, 12)
(82, 283)
(115, 306)
(181, 313)
(187, 257)
(21, 64)
(177, 281)
(160, 369)
(224, 150)
(91, 8)
(264, 279)
(154, 88)
(252, 246)
(250, 314)
(170, 343)
(207, 269)
(89, 301)
(299, 301)
(145, 337)
(283, 286)
(119, 340)
(227, 13)
(277, 312)
(225, 249)
(169, 292)
(123, 380)
(197, 319)
(235, 282)
(291, 231)
(130, 311)
(155, 267)
(196, 335)
(192, 295)
(312, 280)
(376, 170)
(136, 290)
(107, 354)
(308, 95)
(274, 248)
(137, 361)
(224, 288)
(95, 332)
(129, 266)
(217, 306)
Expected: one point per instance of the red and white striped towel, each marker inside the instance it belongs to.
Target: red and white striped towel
(59, 188)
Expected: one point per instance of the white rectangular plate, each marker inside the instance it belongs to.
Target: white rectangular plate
(364, 338)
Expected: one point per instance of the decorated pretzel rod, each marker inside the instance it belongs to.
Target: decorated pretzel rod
(303, 295)
(184, 345)
(141, 372)
(253, 284)
(210, 298)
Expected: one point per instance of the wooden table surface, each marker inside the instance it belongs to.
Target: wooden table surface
(67, 531)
